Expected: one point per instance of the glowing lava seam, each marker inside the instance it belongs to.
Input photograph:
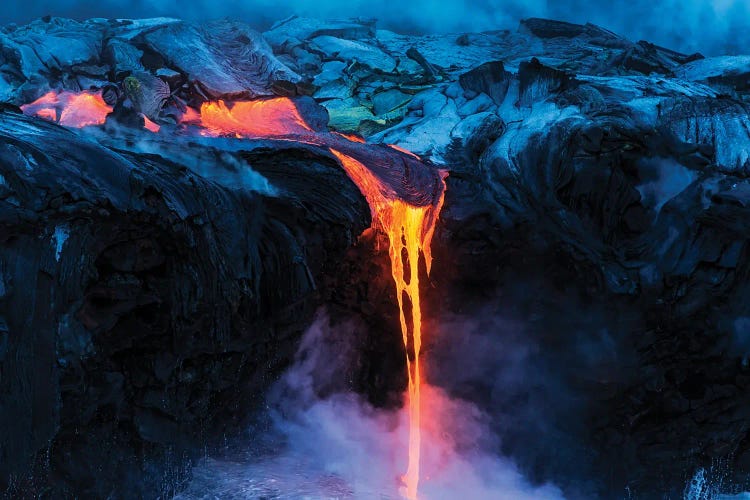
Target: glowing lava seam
(409, 229)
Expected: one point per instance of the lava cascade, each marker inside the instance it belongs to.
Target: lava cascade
(409, 229)
(409, 226)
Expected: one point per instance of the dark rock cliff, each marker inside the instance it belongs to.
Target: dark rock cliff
(598, 197)
(144, 307)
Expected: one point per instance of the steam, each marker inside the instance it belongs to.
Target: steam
(712, 27)
(222, 168)
(343, 447)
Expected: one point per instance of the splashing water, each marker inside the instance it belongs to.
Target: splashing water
(713, 483)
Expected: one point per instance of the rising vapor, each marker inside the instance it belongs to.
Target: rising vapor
(345, 448)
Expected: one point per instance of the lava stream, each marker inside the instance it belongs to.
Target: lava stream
(409, 229)
(405, 198)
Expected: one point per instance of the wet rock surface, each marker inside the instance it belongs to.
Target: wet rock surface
(597, 195)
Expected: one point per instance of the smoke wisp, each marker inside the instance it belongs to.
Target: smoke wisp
(339, 446)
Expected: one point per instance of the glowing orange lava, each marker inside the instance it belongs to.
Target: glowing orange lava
(351, 137)
(266, 118)
(72, 109)
(405, 151)
(409, 226)
(409, 229)
(149, 125)
(190, 116)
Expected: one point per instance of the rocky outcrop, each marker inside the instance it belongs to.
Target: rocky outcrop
(145, 306)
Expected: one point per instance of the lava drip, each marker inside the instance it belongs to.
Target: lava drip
(409, 229)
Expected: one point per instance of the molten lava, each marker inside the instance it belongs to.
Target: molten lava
(351, 137)
(405, 202)
(190, 116)
(266, 118)
(72, 109)
(409, 229)
(149, 125)
(405, 198)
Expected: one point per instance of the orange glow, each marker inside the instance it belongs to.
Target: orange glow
(266, 118)
(409, 229)
(351, 137)
(149, 125)
(72, 109)
(405, 151)
(47, 114)
(190, 116)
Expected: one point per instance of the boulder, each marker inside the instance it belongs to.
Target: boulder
(223, 59)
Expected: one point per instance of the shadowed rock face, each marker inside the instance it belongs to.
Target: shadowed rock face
(597, 196)
(145, 307)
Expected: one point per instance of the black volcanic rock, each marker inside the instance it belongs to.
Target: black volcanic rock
(140, 300)
(598, 195)
(489, 78)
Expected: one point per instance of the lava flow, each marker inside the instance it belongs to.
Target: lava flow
(72, 109)
(409, 224)
(262, 118)
(404, 194)
(409, 229)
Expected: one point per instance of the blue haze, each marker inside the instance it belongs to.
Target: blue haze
(711, 27)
